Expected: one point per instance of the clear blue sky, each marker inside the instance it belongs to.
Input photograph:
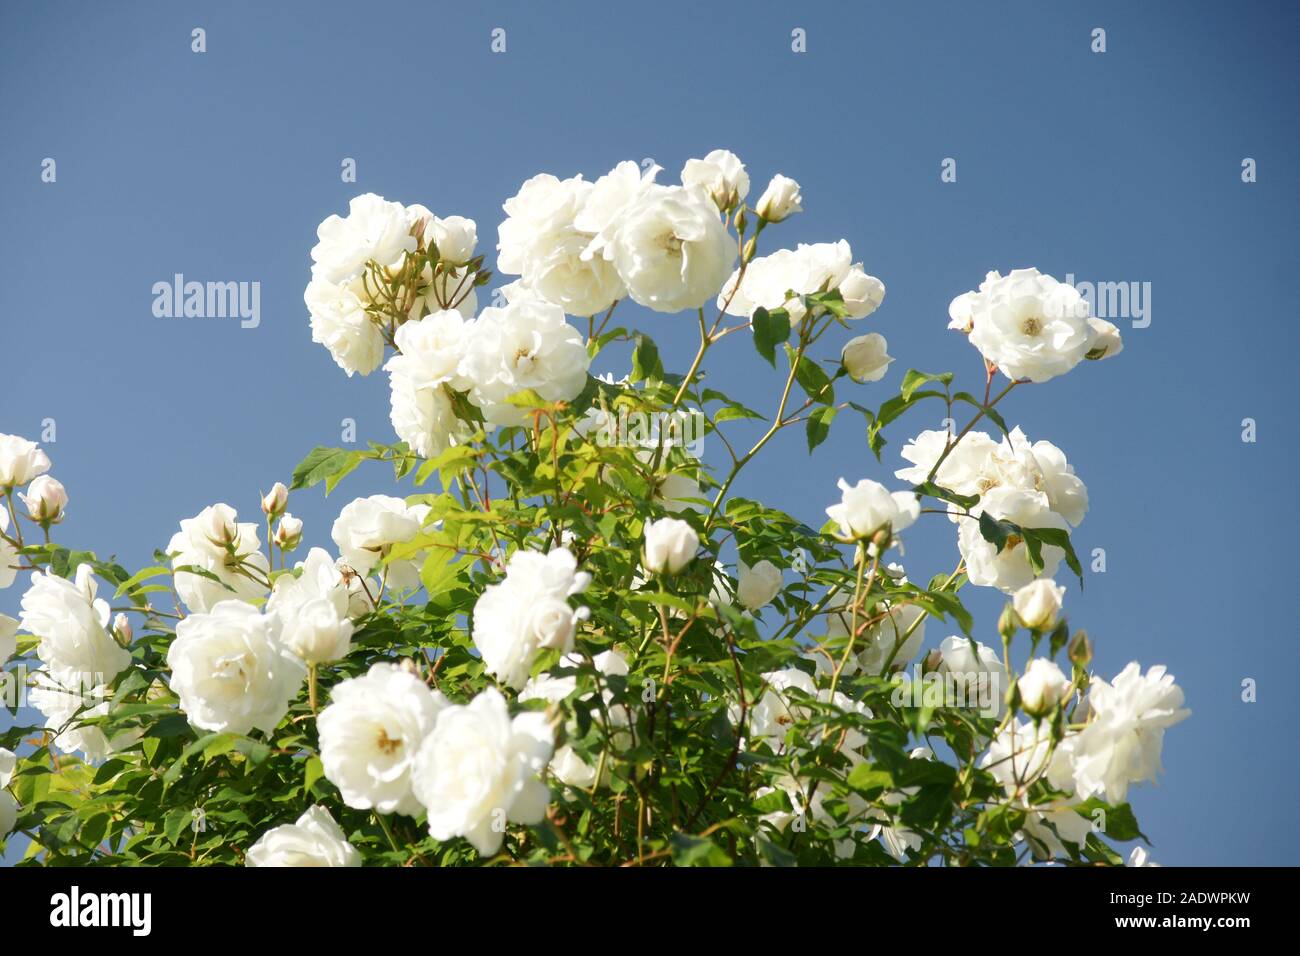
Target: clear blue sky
(1122, 166)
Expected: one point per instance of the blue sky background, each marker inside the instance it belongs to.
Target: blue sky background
(1122, 166)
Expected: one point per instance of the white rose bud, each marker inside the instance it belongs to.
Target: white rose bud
(1106, 342)
(46, 500)
(865, 358)
(670, 544)
(1038, 604)
(20, 461)
(1041, 687)
(780, 199)
(289, 532)
(455, 238)
(122, 628)
(275, 500)
(862, 293)
(758, 585)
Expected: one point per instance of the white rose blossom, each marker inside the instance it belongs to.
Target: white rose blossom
(370, 734)
(480, 769)
(71, 624)
(975, 669)
(340, 322)
(1121, 743)
(67, 702)
(366, 531)
(527, 344)
(216, 542)
(21, 460)
(528, 612)
(778, 280)
(1009, 569)
(312, 607)
(9, 563)
(671, 248)
(868, 507)
(720, 172)
(545, 240)
(314, 840)
(230, 670)
(373, 230)
(1027, 324)
(430, 354)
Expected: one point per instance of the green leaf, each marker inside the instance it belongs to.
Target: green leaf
(770, 330)
(997, 532)
(645, 359)
(914, 380)
(811, 378)
(819, 425)
(697, 851)
(321, 463)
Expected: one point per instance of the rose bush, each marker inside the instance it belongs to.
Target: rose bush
(534, 652)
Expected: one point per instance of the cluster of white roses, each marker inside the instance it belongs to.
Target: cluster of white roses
(1113, 740)
(1028, 483)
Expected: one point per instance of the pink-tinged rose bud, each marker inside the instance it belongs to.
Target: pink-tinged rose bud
(45, 500)
(780, 199)
(275, 500)
(289, 533)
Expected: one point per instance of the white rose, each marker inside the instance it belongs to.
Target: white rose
(543, 205)
(455, 237)
(868, 506)
(315, 840)
(373, 229)
(670, 544)
(1008, 569)
(962, 471)
(366, 530)
(1121, 743)
(527, 612)
(780, 200)
(892, 641)
(865, 358)
(8, 642)
(71, 624)
(671, 248)
(431, 352)
(862, 293)
(758, 585)
(370, 734)
(312, 609)
(975, 669)
(45, 500)
(1027, 324)
(20, 461)
(8, 761)
(1106, 342)
(1041, 686)
(721, 173)
(479, 769)
(609, 198)
(230, 670)
(1038, 604)
(777, 281)
(525, 345)
(776, 709)
(566, 765)
(67, 702)
(216, 542)
(339, 322)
